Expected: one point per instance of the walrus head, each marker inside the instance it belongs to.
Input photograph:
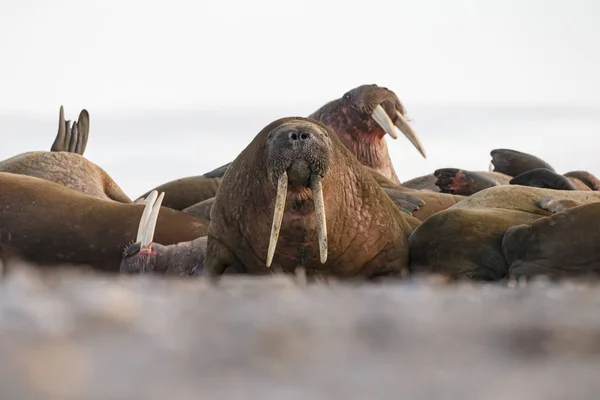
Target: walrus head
(362, 117)
(299, 154)
(146, 256)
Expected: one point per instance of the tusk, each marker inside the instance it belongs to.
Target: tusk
(384, 121)
(282, 184)
(405, 128)
(151, 224)
(317, 190)
(144, 219)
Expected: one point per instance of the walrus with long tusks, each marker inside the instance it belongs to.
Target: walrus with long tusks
(562, 245)
(51, 224)
(297, 197)
(147, 256)
(65, 165)
(361, 118)
(464, 241)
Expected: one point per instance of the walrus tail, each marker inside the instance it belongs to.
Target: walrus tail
(72, 139)
(461, 182)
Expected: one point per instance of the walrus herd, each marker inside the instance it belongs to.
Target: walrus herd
(317, 194)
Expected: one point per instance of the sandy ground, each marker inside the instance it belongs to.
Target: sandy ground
(81, 336)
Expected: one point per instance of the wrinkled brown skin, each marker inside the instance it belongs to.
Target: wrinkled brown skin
(350, 118)
(186, 192)
(67, 169)
(513, 162)
(184, 259)
(367, 235)
(51, 224)
(563, 245)
(465, 240)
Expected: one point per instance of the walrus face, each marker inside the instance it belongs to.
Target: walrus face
(368, 113)
(299, 154)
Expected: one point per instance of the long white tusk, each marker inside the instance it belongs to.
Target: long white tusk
(384, 121)
(144, 218)
(405, 128)
(282, 184)
(151, 225)
(317, 191)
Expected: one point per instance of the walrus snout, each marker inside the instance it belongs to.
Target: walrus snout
(300, 149)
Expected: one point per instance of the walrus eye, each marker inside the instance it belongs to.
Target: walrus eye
(347, 97)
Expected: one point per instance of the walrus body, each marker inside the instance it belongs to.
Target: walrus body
(561, 245)
(464, 241)
(457, 181)
(51, 224)
(365, 235)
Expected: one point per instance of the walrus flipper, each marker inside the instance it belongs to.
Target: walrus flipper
(404, 201)
(513, 162)
(72, 139)
(556, 205)
(543, 178)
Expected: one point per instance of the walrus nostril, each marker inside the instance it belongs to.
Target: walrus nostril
(305, 135)
(294, 136)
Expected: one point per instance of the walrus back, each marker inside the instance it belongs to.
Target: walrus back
(68, 169)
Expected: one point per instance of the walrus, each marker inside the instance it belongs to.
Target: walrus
(544, 178)
(361, 118)
(297, 197)
(147, 256)
(464, 241)
(562, 245)
(72, 139)
(505, 164)
(51, 224)
(65, 164)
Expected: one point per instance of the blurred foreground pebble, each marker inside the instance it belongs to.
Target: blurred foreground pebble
(76, 335)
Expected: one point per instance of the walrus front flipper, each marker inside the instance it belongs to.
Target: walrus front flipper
(404, 201)
(513, 163)
(201, 210)
(462, 182)
(558, 246)
(586, 178)
(543, 178)
(556, 205)
(72, 139)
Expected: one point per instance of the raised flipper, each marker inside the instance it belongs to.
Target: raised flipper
(513, 163)
(72, 139)
(556, 205)
(543, 178)
(462, 182)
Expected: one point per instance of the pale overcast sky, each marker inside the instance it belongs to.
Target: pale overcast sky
(116, 55)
